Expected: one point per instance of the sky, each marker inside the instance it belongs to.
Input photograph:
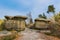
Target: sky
(23, 7)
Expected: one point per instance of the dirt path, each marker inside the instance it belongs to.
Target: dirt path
(33, 35)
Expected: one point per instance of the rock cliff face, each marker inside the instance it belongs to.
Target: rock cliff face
(34, 35)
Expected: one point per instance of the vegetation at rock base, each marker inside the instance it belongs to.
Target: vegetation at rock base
(9, 37)
(1, 24)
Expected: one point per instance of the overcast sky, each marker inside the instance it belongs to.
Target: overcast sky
(23, 7)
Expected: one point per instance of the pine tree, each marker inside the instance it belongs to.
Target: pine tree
(42, 16)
